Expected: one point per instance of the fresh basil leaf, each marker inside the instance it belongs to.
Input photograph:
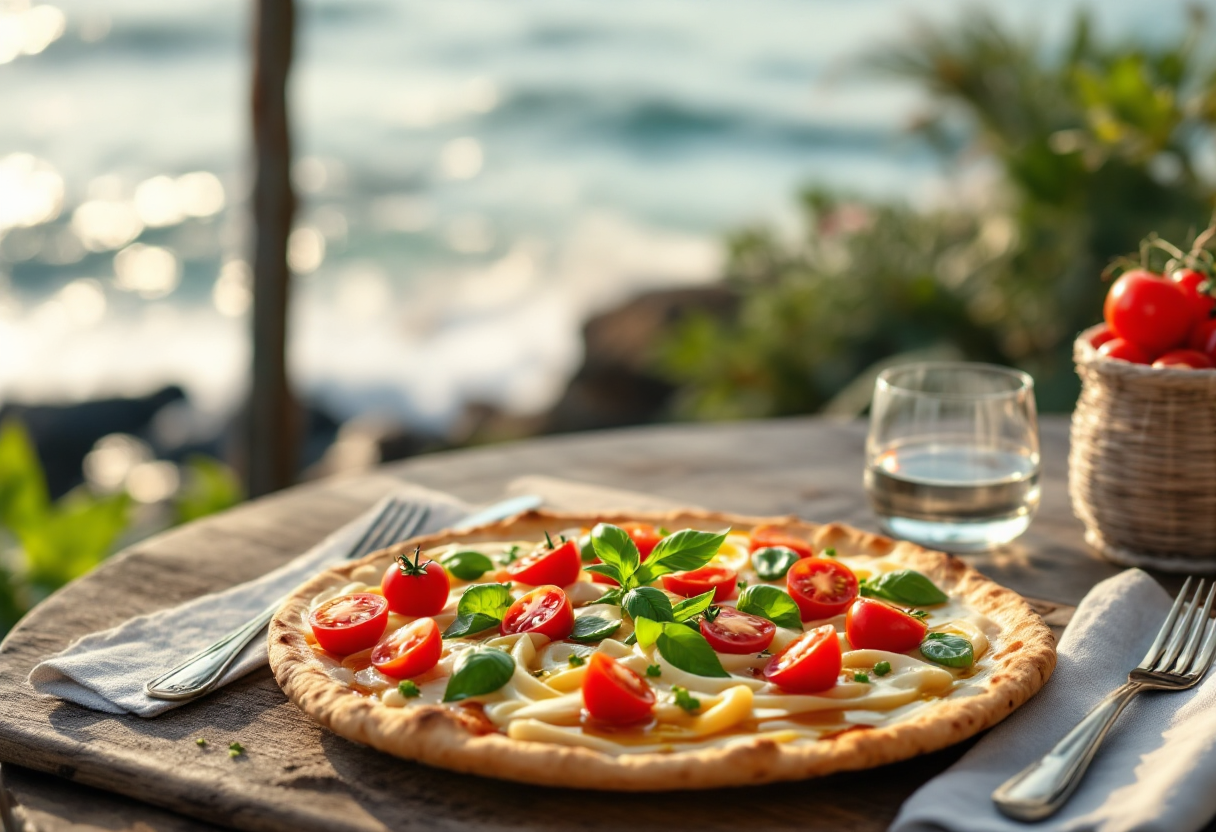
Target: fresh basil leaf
(646, 632)
(648, 602)
(690, 607)
(605, 569)
(468, 566)
(772, 562)
(612, 596)
(948, 649)
(489, 599)
(774, 604)
(680, 552)
(585, 549)
(905, 586)
(615, 547)
(477, 672)
(466, 624)
(689, 651)
(589, 628)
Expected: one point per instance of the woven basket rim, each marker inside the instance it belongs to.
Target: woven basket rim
(1087, 357)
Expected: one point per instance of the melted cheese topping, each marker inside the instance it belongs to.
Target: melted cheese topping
(542, 701)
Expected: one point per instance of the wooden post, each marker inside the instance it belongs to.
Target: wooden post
(271, 438)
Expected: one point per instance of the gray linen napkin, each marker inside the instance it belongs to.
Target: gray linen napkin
(106, 671)
(1156, 769)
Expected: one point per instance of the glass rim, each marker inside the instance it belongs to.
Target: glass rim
(1025, 383)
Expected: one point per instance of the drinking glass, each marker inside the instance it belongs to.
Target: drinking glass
(952, 457)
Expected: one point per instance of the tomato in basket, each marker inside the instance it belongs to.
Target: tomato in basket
(1148, 310)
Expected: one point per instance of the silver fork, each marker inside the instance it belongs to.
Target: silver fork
(199, 673)
(1174, 662)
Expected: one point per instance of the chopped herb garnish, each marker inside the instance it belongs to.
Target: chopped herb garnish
(764, 654)
(510, 556)
(882, 668)
(712, 612)
(408, 689)
(861, 677)
(200, 742)
(829, 552)
(685, 699)
(549, 540)
(235, 749)
(919, 615)
(653, 671)
(741, 584)
(663, 532)
(576, 660)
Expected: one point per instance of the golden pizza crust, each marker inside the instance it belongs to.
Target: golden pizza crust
(438, 736)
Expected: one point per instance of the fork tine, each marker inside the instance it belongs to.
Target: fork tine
(385, 534)
(1197, 631)
(373, 529)
(1205, 658)
(1154, 652)
(405, 526)
(1181, 630)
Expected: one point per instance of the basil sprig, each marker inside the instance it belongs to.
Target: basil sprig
(480, 608)
(679, 552)
(948, 649)
(477, 672)
(681, 646)
(904, 586)
(774, 604)
(468, 566)
(654, 605)
(589, 628)
(772, 562)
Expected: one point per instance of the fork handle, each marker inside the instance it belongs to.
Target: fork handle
(199, 673)
(1040, 789)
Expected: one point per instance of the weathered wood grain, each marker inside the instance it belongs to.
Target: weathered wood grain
(298, 777)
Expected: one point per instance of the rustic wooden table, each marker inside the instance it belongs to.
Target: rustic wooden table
(56, 754)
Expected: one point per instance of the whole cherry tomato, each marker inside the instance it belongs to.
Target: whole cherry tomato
(763, 536)
(712, 576)
(1148, 310)
(644, 536)
(415, 588)
(614, 693)
(1100, 336)
(545, 610)
(1124, 350)
(349, 623)
(409, 651)
(1203, 338)
(558, 565)
(1185, 360)
(809, 664)
(1190, 281)
(731, 631)
(821, 587)
(874, 625)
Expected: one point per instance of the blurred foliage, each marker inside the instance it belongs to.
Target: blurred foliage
(44, 543)
(1093, 146)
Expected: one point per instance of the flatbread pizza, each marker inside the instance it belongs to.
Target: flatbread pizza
(647, 651)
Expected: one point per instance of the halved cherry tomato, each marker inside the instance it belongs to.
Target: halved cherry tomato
(545, 610)
(414, 588)
(1124, 350)
(712, 576)
(644, 536)
(874, 625)
(1189, 281)
(821, 587)
(349, 623)
(1148, 310)
(1184, 359)
(1203, 338)
(809, 664)
(1101, 335)
(732, 631)
(558, 566)
(614, 693)
(763, 536)
(409, 651)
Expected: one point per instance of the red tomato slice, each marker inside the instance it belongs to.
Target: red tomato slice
(821, 587)
(732, 631)
(874, 625)
(1184, 359)
(1124, 350)
(1189, 281)
(415, 589)
(689, 584)
(545, 610)
(558, 566)
(809, 664)
(409, 651)
(614, 693)
(349, 623)
(644, 536)
(1148, 310)
(763, 536)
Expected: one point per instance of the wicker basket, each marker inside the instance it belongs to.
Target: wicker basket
(1142, 464)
